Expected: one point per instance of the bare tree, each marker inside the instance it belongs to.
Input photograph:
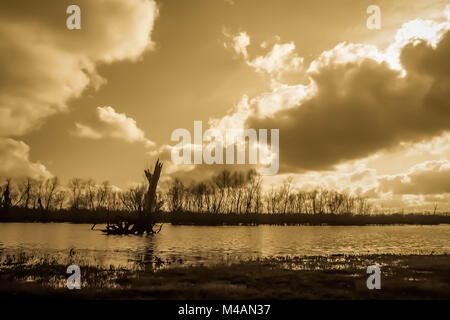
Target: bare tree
(76, 189)
(133, 198)
(6, 195)
(50, 186)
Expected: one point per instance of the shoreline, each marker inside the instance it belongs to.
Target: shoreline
(279, 278)
(212, 219)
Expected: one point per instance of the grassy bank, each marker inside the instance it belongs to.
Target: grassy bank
(191, 218)
(332, 277)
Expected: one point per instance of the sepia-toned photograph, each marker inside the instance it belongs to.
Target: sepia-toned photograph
(237, 151)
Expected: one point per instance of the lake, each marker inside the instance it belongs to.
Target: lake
(207, 245)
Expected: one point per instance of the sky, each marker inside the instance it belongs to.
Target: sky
(359, 110)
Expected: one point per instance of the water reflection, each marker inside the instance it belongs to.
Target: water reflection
(202, 245)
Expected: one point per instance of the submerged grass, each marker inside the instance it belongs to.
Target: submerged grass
(318, 277)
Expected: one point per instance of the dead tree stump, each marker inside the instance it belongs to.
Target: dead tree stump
(145, 222)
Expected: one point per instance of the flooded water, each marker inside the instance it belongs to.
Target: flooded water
(204, 245)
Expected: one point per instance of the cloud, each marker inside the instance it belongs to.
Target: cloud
(84, 131)
(15, 162)
(281, 59)
(435, 147)
(427, 178)
(238, 43)
(111, 124)
(44, 65)
(354, 178)
(359, 102)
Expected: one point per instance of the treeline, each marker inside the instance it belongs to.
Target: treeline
(77, 195)
(241, 193)
(227, 198)
(228, 192)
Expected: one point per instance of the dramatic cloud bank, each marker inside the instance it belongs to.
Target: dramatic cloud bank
(360, 100)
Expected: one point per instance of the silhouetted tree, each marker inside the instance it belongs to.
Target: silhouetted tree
(6, 196)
